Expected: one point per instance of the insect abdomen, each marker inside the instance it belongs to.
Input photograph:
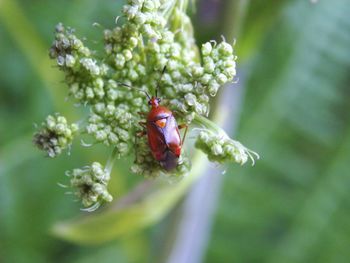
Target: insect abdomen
(170, 160)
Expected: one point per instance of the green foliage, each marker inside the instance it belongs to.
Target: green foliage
(292, 207)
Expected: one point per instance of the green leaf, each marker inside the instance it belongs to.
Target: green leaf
(292, 207)
(145, 205)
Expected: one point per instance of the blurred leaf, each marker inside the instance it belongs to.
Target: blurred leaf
(257, 20)
(316, 213)
(32, 46)
(296, 117)
(144, 206)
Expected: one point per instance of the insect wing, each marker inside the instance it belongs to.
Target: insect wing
(172, 135)
(156, 140)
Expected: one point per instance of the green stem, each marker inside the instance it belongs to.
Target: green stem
(234, 18)
(210, 125)
(111, 160)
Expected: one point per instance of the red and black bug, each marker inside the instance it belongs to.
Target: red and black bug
(163, 133)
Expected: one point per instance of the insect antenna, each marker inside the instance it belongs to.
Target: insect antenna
(158, 84)
(128, 86)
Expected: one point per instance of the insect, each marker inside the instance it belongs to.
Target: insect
(163, 133)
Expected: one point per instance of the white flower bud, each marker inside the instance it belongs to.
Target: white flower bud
(85, 51)
(216, 149)
(133, 42)
(127, 54)
(168, 37)
(213, 87)
(110, 110)
(149, 5)
(231, 71)
(185, 87)
(89, 93)
(99, 92)
(100, 135)
(70, 61)
(230, 63)
(130, 11)
(206, 78)
(61, 119)
(190, 99)
(123, 147)
(123, 134)
(90, 65)
(225, 48)
(209, 66)
(113, 138)
(99, 83)
(197, 71)
(148, 30)
(60, 127)
(203, 98)
(50, 122)
(221, 79)
(176, 75)
(60, 61)
(140, 18)
(133, 75)
(119, 60)
(77, 44)
(204, 137)
(206, 49)
(107, 34)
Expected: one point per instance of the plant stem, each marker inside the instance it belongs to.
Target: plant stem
(111, 160)
(211, 125)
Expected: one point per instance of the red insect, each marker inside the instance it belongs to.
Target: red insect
(163, 133)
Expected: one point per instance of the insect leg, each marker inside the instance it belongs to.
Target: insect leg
(137, 135)
(140, 133)
(181, 126)
(143, 124)
(142, 114)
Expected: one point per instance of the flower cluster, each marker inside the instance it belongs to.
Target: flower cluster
(55, 135)
(220, 148)
(90, 185)
(152, 51)
(147, 166)
(111, 126)
(84, 75)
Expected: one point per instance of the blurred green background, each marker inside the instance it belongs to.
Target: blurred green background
(293, 206)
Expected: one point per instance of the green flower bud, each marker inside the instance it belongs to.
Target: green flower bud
(225, 49)
(70, 61)
(206, 49)
(119, 61)
(55, 135)
(90, 184)
(221, 79)
(90, 65)
(190, 99)
(127, 54)
(220, 148)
